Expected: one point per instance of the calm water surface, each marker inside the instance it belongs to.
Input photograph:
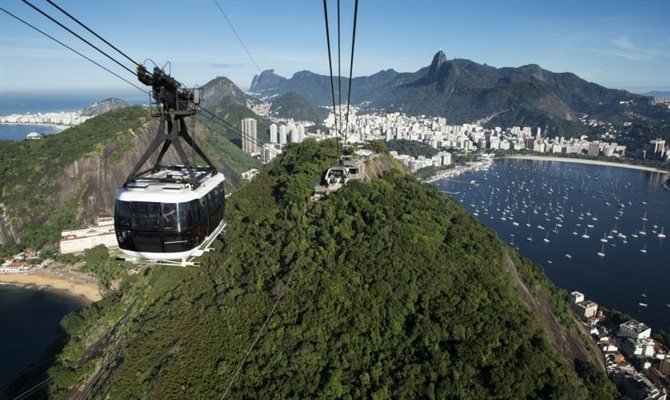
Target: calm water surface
(28, 327)
(528, 202)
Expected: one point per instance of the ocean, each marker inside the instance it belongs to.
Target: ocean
(29, 320)
(23, 103)
(525, 201)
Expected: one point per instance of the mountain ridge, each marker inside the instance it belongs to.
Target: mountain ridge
(464, 91)
(384, 289)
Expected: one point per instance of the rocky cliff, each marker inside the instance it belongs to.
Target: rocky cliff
(70, 179)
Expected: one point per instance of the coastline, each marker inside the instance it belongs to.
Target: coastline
(455, 171)
(581, 161)
(87, 291)
(55, 126)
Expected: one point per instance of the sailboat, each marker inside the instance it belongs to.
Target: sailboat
(546, 239)
(661, 235)
(585, 235)
(601, 253)
(644, 217)
(603, 239)
(643, 232)
(643, 249)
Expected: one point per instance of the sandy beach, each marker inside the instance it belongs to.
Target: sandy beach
(86, 289)
(593, 162)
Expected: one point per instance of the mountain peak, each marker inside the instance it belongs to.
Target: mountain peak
(438, 60)
(267, 79)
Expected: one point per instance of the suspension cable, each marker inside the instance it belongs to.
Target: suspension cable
(90, 30)
(227, 125)
(77, 35)
(262, 328)
(238, 36)
(73, 50)
(339, 75)
(330, 63)
(351, 68)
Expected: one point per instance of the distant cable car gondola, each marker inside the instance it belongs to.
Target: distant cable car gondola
(169, 213)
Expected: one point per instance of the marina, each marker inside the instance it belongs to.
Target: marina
(599, 229)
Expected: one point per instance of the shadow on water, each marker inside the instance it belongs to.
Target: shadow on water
(32, 382)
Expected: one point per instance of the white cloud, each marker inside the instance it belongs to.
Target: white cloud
(624, 43)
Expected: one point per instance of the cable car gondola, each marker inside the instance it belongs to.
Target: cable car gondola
(169, 214)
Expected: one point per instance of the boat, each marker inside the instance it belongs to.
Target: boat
(568, 256)
(642, 304)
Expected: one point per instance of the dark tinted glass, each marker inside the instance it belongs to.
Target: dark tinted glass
(122, 213)
(145, 215)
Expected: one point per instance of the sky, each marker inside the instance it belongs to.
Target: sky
(618, 44)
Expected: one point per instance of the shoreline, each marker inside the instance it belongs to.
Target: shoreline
(60, 128)
(87, 291)
(582, 161)
(455, 171)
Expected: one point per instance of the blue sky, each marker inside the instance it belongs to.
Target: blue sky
(619, 44)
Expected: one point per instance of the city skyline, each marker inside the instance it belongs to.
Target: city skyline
(618, 45)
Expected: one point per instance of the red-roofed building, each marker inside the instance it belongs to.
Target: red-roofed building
(15, 267)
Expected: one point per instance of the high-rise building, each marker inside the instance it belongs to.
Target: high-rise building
(301, 132)
(659, 147)
(249, 138)
(282, 134)
(273, 133)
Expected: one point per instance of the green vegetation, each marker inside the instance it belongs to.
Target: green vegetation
(410, 148)
(224, 151)
(293, 105)
(29, 172)
(233, 112)
(385, 289)
(427, 172)
(464, 91)
(40, 202)
(108, 270)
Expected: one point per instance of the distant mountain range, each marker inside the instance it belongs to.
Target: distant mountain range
(101, 107)
(465, 91)
(658, 93)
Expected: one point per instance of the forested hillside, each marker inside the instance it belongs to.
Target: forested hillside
(385, 289)
(66, 180)
(464, 91)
